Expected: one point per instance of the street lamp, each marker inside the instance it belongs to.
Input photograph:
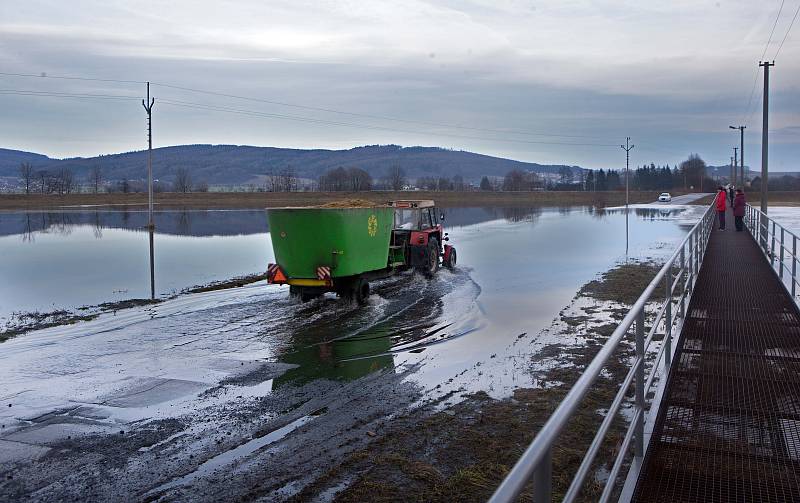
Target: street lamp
(741, 150)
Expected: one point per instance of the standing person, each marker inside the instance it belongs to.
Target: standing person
(721, 206)
(739, 204)
(731, 194)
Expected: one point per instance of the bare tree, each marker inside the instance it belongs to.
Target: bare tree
(66, 181)
(334, 180)
(27, 174)
(396, 177)
(288, 179)
(183, 180)
(202, 186)
(517, 180)
(359, 179)
(42, 176)
(95, 178)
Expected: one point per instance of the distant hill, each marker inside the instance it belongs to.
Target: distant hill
(239, 164)
(11, 159)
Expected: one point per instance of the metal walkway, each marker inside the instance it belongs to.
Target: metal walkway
(728, 428)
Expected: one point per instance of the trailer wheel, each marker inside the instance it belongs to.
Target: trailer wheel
(303, 294)
(361, 291)
(451, 259)
(432, 266)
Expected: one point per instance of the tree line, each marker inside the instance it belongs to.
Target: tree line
(690, 174)
(63, 181)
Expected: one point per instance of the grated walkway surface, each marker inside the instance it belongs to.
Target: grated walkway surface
(729, 425)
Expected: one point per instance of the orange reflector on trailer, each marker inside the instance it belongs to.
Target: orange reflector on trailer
(275, 274)
(279, 277)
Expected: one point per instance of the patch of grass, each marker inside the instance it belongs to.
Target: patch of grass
(230, 283)
(463, 452)
(28, 322)
(624, 283)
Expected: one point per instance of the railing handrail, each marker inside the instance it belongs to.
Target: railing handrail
(758, 223)
(758, 211)
(539, 449)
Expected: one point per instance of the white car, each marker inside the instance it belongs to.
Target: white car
(664, 197)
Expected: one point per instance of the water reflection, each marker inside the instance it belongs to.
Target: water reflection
(181, 223)
(152, 267)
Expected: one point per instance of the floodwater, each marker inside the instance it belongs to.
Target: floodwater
(198, 352)
(517, 268)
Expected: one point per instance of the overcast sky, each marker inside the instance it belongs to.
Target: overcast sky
(528, 80)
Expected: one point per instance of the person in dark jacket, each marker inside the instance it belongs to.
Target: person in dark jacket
(739, 204)
(721, 205)
(731, 194)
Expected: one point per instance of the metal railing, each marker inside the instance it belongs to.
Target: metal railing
(672, 287)
(769, 234)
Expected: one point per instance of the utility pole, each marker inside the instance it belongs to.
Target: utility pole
(735, 163)
(764, 153)
(765, 138)
(148, 107)
(733, 172)
(741, 149)
(627, 148)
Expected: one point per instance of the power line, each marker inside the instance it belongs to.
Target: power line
(253, 113)
(306, 107)
(368, 116)
(58, 94)
(63, 77)
(752, 92)
(773, 29)
(755, 78)
(796, 12)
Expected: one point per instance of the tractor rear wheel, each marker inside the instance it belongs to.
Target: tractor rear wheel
(432, 265)
(451, 259)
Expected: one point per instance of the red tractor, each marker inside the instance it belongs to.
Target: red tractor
(418, 235)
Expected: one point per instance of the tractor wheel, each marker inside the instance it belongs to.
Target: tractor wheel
(432, 266)
(451, 259)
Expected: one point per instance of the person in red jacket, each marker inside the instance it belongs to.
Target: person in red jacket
(721, 205)
(739, 204)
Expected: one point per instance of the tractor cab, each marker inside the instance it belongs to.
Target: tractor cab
(418, 237)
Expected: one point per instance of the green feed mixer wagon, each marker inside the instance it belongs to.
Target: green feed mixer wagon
(341, 247)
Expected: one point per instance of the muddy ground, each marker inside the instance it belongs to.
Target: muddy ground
(380, 437)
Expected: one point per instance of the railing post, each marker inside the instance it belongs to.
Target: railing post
(780, 269)
(668, 318)
(794, 262)
(639, 434)
(543, 478)
(772, 246)
(688, 284)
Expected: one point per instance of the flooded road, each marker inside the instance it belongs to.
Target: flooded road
(244, 380)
